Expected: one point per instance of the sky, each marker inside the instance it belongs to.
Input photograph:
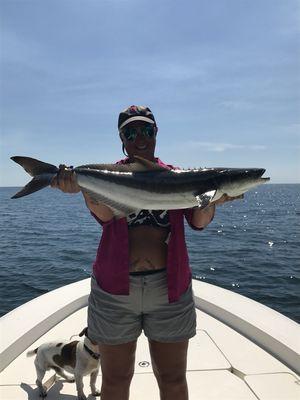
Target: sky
(221, 77)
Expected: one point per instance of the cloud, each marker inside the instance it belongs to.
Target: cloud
(293, 128)
(222, 147)
(237, 105)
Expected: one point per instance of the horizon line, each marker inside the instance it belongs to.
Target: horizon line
(267, 183)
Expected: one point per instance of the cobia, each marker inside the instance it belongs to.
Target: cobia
(146, 185)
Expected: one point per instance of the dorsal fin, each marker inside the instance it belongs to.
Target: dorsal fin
(149, 165)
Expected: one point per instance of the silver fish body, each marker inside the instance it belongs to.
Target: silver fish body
(145, 185)
(168, 189)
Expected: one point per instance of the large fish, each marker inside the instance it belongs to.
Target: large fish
(146, 185)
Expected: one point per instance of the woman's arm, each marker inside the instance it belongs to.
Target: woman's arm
(102, 212)
(203, 216)
(66, 182)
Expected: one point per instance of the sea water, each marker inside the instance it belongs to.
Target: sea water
(49, 239)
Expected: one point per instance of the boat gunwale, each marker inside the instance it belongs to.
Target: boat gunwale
(270, 330)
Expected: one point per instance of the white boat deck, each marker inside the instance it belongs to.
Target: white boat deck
(222, 363)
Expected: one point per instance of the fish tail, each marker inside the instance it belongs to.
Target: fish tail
(42, 174)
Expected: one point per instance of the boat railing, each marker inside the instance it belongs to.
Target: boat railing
(27, 323)
(269, 329)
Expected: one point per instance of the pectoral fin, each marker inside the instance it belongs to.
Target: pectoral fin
(204, 199)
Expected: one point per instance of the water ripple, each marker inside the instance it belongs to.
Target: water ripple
(252, 247)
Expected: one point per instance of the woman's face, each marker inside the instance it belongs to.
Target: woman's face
(136, 140)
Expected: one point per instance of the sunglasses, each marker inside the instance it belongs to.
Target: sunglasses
(131, 133)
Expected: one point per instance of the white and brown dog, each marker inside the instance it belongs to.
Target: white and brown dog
(79, 358)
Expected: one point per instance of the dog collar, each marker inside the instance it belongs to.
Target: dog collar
(96, 356)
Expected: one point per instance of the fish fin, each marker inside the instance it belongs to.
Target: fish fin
(204, 199)
(42, 174)
(37, 183)
(139, 165)
(119, 210)
(34, 167)
(150, 165)
(107, 167)
(131, 167)
(218, 194)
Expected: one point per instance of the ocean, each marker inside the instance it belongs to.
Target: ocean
(49, 239)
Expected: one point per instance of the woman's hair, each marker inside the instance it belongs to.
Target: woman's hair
(123, 149)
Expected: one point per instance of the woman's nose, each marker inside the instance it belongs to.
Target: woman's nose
(140, 137)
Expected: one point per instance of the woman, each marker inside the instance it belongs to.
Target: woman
(141, 278)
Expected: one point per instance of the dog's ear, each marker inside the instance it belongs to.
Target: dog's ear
(83, 332)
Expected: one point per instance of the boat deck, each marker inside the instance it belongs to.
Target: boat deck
(222, 364)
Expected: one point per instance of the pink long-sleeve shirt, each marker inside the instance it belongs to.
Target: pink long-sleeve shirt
(111, 267)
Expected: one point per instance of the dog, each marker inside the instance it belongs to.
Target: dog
(79, 358)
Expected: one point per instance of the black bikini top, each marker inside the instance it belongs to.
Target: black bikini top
(156, 218)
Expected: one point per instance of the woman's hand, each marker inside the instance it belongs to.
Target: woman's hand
(65, 180)
(225, 198)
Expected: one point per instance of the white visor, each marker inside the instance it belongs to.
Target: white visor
(137, 118)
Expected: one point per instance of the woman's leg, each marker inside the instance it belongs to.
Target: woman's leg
(169, 366)
(117, 365)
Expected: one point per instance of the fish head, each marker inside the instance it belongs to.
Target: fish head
(240, 181)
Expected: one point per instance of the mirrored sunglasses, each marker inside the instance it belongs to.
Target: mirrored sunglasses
(130, 133)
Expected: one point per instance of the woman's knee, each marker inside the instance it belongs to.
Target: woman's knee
(169, 362)
(117, 363)
(171, 378)
(117, 377)
(115, 386)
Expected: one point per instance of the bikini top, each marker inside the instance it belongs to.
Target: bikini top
(156, 218)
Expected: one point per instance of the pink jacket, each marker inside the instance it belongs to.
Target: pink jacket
(111, 267)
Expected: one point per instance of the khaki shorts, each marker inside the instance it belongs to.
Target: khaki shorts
(117, 319)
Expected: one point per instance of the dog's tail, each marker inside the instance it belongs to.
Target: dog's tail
(31, 352)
